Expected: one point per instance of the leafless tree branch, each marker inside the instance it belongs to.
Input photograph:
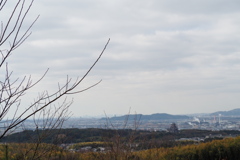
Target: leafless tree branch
(13, 90)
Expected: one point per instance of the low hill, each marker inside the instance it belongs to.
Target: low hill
(75, 135)
(234, 112)
(156, 116)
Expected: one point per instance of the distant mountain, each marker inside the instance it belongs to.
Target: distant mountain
(156, 116)
(234, 112)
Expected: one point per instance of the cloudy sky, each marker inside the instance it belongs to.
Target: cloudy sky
(175, 57)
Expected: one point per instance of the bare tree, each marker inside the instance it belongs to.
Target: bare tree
(12, 91)
(122, 147)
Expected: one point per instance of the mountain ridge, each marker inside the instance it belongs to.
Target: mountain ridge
(233, 112)
(155, 116)
(166, 116)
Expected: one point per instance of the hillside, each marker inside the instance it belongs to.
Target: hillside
(156, 116)
(234, 112)
(75, 135)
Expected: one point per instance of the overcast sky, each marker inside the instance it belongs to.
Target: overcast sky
(172, 56)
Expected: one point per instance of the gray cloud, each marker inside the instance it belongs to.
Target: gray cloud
(164, 56)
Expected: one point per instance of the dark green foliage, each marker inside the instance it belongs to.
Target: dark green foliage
(163, 144)
(72, 135)
(145, 139)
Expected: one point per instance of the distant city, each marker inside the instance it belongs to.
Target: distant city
(221, 120)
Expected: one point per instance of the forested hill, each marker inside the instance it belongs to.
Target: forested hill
(156, 116)
(234, 112)
(74, 135)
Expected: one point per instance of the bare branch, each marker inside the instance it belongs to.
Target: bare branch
(13, 90)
